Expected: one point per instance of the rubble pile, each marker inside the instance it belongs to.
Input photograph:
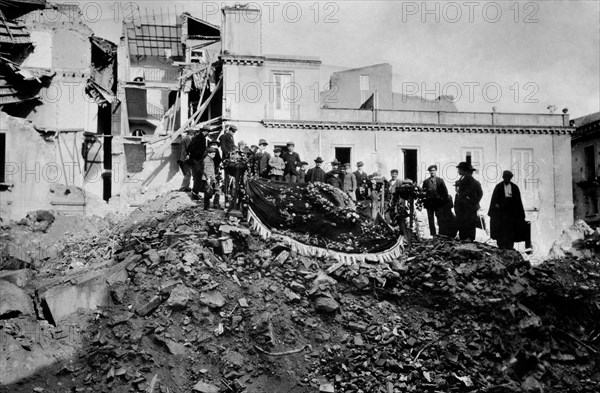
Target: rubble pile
(198, 303)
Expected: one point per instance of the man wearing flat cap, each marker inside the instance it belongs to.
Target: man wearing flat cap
(466, 205)
(361, 182)
(226, 140)
(506, 212)
(316, 174)
(436, 195)
(292, 160)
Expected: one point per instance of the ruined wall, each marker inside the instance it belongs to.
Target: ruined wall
(345, 87)
(62, 44)
(36, 173)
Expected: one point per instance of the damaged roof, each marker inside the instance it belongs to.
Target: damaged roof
(199, 29)
(15, 8)
(13, 32)
(17, 85)
(152, 40)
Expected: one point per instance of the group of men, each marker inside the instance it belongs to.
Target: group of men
(506, 207)
(201, 161)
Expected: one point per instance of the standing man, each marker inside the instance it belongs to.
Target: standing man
(361, 182)
(506, 212)
(184, 161)
(292, 160)
(196, 150)
(261, 160)
(466, 205)
(316, 174)
(227, 147)
(436, 195)
(349, 182)
(226, 140)
(335, 166)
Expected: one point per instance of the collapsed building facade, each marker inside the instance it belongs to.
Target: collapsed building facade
(79, 128)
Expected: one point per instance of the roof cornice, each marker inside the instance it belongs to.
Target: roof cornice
(446, 128)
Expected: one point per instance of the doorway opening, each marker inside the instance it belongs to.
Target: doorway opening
(410, 164)
(343, 154)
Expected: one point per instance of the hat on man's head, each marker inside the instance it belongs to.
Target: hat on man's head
(262, 142)
(318, 160)
(465, 166)
(303, 163)
(253, 146)
(360, 163)
(394, 171)
(290, 144)
(508, 174)
(213, 142)
(205, 129)
(247, 150)
(347, 165)
(232, 127)
(211, 150)
(335, 162)
(432, 167)
(277, 150)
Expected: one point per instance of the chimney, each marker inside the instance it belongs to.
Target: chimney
(242, 31)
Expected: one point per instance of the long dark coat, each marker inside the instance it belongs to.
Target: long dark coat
(506, 214)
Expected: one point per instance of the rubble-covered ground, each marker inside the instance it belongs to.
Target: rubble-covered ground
(192, 301)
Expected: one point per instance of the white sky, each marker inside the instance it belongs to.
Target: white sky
(528, 54)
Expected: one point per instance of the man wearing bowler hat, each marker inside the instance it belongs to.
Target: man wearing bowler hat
(506, 212)
(292, 161)
(316, 174)
(466, 205)
(436, 195)
(261, 160)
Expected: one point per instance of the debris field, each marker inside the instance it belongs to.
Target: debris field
(193, 301)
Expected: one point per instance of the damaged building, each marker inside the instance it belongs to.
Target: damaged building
(108, 130)
(585, 147)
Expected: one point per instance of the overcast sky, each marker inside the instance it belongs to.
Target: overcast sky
(517, 56)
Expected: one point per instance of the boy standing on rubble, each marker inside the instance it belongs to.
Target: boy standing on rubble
(277, 165)
(349, 182)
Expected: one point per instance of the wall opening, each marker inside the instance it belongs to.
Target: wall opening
(343, 154)
(590, 162)
(2, 157)
(410, 164)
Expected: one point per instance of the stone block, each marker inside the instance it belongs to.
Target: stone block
(19, 278)
(63, 300)
(14, 301)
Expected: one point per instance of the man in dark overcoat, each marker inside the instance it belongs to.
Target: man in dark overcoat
(466, 204)
(506, 212)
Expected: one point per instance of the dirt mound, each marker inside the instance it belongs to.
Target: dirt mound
(196, 314)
